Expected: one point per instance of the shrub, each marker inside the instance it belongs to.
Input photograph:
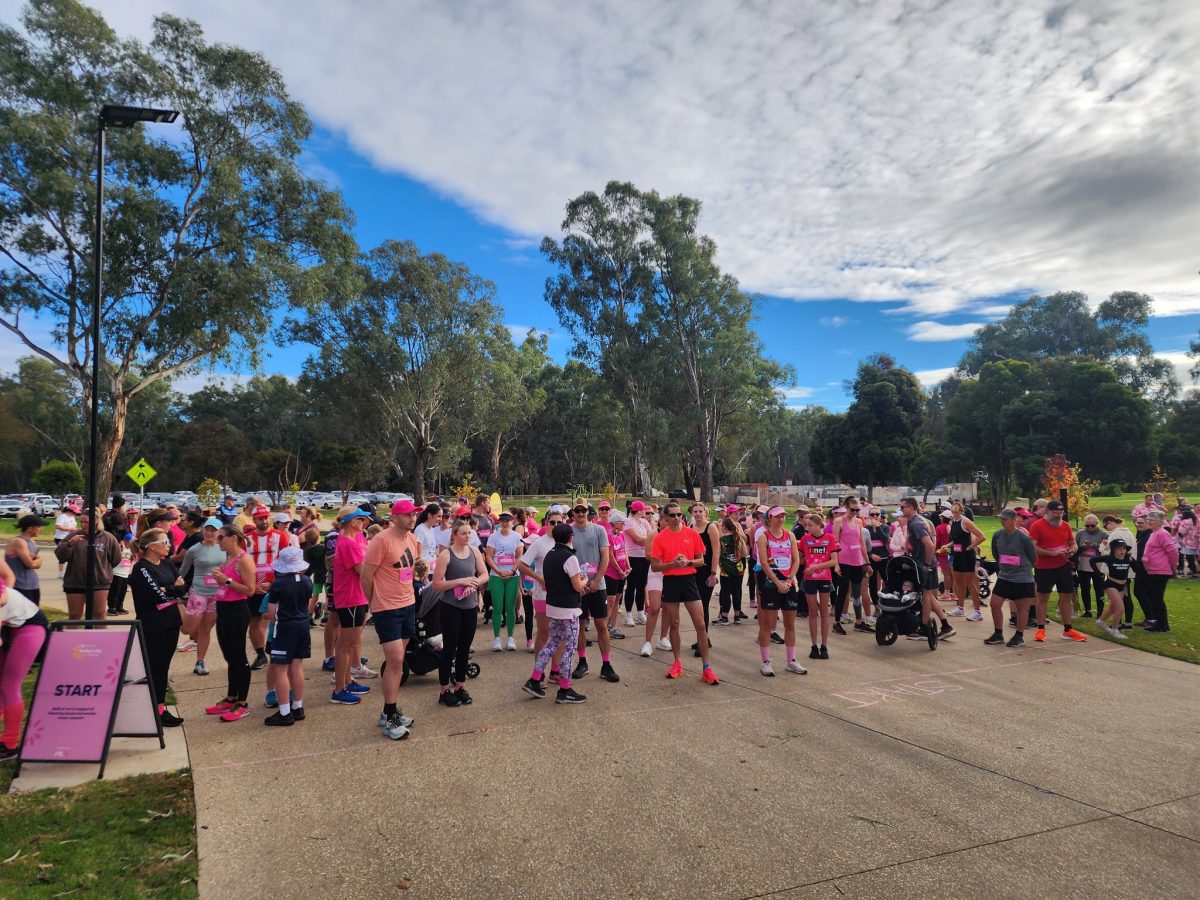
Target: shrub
(1108, 490)
(58, 477)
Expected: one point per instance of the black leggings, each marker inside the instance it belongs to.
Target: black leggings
(527, 605)
(849, 585)
(116, 593)
(731, 594)
(1153, 597)
(233, 623)
(160, 647)
(458, 630)
(635, 584)
(751, 582)
(1090, 582)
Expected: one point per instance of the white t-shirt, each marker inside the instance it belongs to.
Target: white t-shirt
(571, 567)
(428, 540)
(506, 550)
(19, 609)
(533, 558)
(64, 525)
(442, 536)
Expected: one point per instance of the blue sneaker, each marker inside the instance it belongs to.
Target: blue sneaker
(327, 665)
(406, 721)
(272, 700)
(355, 688)
(343, 697)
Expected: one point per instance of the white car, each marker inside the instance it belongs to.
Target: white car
(13, 508)
(43, 505)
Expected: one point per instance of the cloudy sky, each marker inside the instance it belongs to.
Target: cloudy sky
(888, 175)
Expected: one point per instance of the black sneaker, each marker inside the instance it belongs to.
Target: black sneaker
(720, 620)
(260, 661)
(997, 637)
(463, 697)
(568, 695)
(1017, 640)
(838, 629)
(775, 638)
(278, 719)
(1012, 621)
(824, 652)
(864, 628)
(946, 632)
(580, 670)
(534, 689)
(814, 653)
(122, 611)
(7, 752)
(608, 673)
(1087, 614)
(169, 720)
(1124, 626)
(448, 698)
(297, 713)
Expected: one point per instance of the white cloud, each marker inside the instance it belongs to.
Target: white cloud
(931, 377)
(937, 331)
(1182, 363)
(795, 397)
(874, 151)
(189, 384)
(833, 321)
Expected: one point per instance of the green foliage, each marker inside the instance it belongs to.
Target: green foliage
(341, 465)
(57, 478)
(1107, 490)
(209, 492)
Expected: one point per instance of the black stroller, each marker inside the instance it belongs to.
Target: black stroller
(899, 603)
(985, 569)
(422, 655)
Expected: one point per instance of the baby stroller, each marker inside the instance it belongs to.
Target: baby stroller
(422, 655)
(985, 569)
(899, 602)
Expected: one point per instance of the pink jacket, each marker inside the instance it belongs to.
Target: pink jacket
(1160, 556)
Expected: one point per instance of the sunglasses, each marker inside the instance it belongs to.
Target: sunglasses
(678, 515)
(580, 510)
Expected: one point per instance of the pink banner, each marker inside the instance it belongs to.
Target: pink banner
(73, 703)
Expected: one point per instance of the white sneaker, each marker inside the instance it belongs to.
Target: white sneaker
(628, 620)
(975, 616)
(496, 645)
(511, 645)
(1118, 634)
(957, 611)
(796, 668)
(362, 672)
(641, 618)
(529, 646)
(767, 670)
(186, 647)
(847, 619)
(647, 649)
(870, 620)
(663, 643)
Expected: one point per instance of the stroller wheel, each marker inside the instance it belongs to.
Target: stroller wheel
(472, 670)
(885, 630)
(933, 633)
(985, 590)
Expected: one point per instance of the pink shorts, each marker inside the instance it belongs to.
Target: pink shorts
(539, 606)
(198, 606)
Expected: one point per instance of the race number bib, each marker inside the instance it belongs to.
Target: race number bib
(958, 548)
(210, 580)
(1061, 549)
(781, 563)
(588, 569)
(1009, 559)
(505, 562)
(405, 575)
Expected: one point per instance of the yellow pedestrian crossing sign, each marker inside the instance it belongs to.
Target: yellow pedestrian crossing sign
(141, 472)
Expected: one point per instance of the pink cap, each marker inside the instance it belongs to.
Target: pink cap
(403, 508)
(637, 506)
(732, 508)
(260, 512)
(776, 511)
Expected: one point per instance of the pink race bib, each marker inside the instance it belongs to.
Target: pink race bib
(588, 569)
(459, 592)
(405, 575)
(505, 561)
(958, 548)
(1056, 549)
(1009, 559)
(210, 581)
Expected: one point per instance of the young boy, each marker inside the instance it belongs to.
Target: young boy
(287, 615)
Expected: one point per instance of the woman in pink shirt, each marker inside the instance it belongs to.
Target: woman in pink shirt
(349, 603)
(1158, 565)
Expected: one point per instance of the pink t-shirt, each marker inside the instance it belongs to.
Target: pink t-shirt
(349, 552)
(618, 560)
(641, 527)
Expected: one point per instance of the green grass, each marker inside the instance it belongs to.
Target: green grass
(134, 837)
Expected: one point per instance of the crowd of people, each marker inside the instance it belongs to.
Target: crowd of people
(573, 577)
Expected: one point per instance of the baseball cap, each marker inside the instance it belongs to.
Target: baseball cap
(1008, 513)
(403, 507)
(462, 511)
(281, 518)
(946, 514)
(776, 511)
(1054, 504)
(260, 512)
(761, 509)
(213, 523)
(579, 507)
(604, 504)
(637, 506)
(349, 511)
(732, 508)
(616, 519)
(503, 516)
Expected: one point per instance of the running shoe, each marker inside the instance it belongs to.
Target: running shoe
(169, 720)
(272, 700)
(406, 721)
(824, 652)
(1040, 635)
(200, 668)
(616, 634)
(239, 711)
(1087, 614)
(553, 676)
(344, 697)
(777, 639)
(628, 620)
(766, 669)
(449, 698)
(534, 689)
(496, 646)
(298, 713)
(796, 669)
(361, 671)
(463, 697)
(568, 695)
(918, 635)
(512, 645)
(608, 673)
(708, 676)
(647, 649)
(1125, 626)
(814, 653)
(260, 661)
(975, 616)
(641, 618)
(6, 752)
(217, 709)
(529, 646)
(837, 629)
(663, 644)
(740, 616)
(864, 628)
(957, 611)
(186, 647)
(1017, 640)
(721, 620)
(846, 619)
(395, 728)
(946, 632)
(355, 688)
(580, 670)
(1070, 634)
(996, 637)
(279, 719)
(1159, 629)
(870, 620)
(1116, 632)
(676, 670)
(327, 665)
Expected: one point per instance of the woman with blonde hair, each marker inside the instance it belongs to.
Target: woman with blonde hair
(237, 582)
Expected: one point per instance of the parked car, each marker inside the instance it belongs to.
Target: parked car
(43, 505)
(13, 508)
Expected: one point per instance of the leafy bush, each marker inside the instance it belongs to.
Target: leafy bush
(1108, 490)
(58, 477)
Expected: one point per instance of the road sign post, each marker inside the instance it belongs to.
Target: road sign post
(139, 474)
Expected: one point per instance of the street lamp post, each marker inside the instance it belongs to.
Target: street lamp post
(110, 117)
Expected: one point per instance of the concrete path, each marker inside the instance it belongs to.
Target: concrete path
(1056, 770)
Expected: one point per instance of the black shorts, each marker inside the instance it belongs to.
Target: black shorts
(770, 599)
(1013, 590)
(1061, 579)
(1115, 586)
(929, 577)
(680, 589)
(963, 562)
(594, 605)
(255, 604)
(351, 616)
(395, 624)
(291, 641)
(616, 586)
(813, 586)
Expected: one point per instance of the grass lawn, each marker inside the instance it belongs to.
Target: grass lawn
(134, 837)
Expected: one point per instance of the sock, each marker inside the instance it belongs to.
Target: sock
(791, 654)
(707, 666)
(604, 657)
(458, 685)
(297, 704)
(537, 674)
(766, 653)
(389, 709)
(285, 709)
(582, 654)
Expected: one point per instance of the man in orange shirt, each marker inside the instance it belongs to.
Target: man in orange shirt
(387, 580)
(1055, 543)
(677, 552)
